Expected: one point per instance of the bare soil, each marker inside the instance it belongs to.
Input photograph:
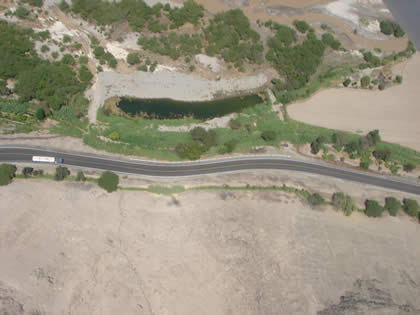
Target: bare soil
(79, 250)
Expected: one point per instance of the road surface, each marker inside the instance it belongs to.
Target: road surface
(168, 169)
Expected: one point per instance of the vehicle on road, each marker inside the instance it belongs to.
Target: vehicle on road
(47, 159)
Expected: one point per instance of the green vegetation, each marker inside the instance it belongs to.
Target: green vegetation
(268, 135)
(344, 203)
(190, 12)
(388, 28)
(372, 60)
(365, 81)
(316, 199)
(393, 205)
(133, 58)
(108, 181)
(301, 26)
(347, 82)
(7, 172)
(22, 12)
(201, 142)
(411, 207)
(80, 177)
(373, 208)
(61, 173)
(399, 79)
(296, 63)
(64, 6)
(35, 3)
(329, 40)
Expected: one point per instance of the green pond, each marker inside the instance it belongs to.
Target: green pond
(171, 109)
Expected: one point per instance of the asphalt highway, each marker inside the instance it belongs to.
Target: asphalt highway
(168, 169)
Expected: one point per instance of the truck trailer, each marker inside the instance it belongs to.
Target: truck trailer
(46, 159)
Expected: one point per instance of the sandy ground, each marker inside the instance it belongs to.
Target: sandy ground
(78, 250)
(394, 111)
(166, 84)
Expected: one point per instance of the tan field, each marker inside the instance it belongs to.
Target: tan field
(394, 111)
(69, 248)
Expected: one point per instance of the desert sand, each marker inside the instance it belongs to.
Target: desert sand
(394, 111)
(71, 248)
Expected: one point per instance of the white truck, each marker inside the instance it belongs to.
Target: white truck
(46, 159)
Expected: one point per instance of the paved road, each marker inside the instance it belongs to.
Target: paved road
(167, 169)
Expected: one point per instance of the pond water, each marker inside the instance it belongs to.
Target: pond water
(171, 109)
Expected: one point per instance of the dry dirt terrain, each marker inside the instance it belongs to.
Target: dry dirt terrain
(71, 248)
(394, 111)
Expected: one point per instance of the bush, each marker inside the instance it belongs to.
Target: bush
(382, 154)
(411, 207)
(316, 145)
(108, 181)
(40, 114)
(399, 79)
(373, 208)
(206, 138)
(27, 171)
(409, 167)
(235, 124)
(35, 3)
(343, 202)
(268, 135)
(381, 86)
(339, 140)
(329, 40)
(61, 173)
(84, 74)
(301, 26)
(387, 27)
(7, 172)
(393, 205)
(365, 81)
(228, 147)
(83, 60)
(45, 48)
(68, 60)
(22, 13)
(64, 6)
(347, 82)
(316, 199)
(133, 59)
(80, 177)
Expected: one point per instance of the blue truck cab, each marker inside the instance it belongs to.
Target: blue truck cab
(60, 160)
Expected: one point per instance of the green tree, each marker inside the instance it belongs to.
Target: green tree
(80, 177)
(4, 90)
(68, 60)
(133, 58)
(84, 74)
(399, 79)
(373, 208)
(393, 205)
(108, 181)
(411, 207)
(398, 31)
(40, 114)
(22, 12)
(268, 135)
(35, 3)
(365, 81)
(192, 150)
(329, 40)
(64, 6)
(339, 140)
(61, 173)
(7, 172)
(301, 26)
(382, 154)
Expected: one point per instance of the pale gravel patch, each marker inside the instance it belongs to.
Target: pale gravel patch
(116, 49)
(212, 63)
(218, 122)
(165, 84)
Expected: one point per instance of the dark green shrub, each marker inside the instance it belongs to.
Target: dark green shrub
(301, 26)
(64, 6)
(192, 150)
(411, 207)
(84, 74)
(373, 208)
(339, 140)
(35, 3)
(7, 172)
(108, 181)
(68, 60)
(381, 86)
(399, 79)
(27, 171)
(22, 13)
(382, 154)
(133, 58)
(393, 205)
(347, 82)
(61, 173)
(387, 27)
(40, 114)
(329, 40)
(316, 199)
